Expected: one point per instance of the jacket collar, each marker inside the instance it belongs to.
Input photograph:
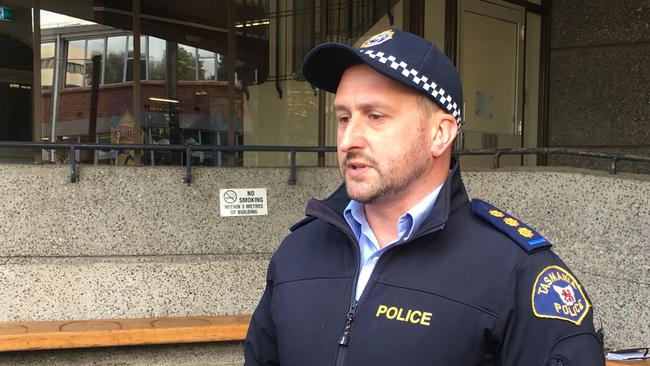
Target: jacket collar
(452, 195)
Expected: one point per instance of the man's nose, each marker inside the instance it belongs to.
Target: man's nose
(352, 135)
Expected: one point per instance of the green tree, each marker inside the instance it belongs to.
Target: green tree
(186, 67)
(158, 69)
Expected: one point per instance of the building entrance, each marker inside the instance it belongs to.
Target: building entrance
(491, 64)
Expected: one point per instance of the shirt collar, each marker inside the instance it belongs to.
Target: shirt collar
(422, 209)
(407, 224)
(355, 215)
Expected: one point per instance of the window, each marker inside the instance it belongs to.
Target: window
(222, 68)
(75, 65)
(47, 64)
(115, 59)
(207, 66)
(157, 60)
(94, 47)
(143, 59)
(187, 63)
(304, 26)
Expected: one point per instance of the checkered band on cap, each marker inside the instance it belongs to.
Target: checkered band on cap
(428, 86)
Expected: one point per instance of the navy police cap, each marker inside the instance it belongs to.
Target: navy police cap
(401, 56)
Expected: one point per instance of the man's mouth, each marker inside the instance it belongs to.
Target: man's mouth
(357, 165)
(356, 169)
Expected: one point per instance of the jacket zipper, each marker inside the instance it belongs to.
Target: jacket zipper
(345, 338)
(349, 317)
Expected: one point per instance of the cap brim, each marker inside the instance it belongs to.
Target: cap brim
(325, 64)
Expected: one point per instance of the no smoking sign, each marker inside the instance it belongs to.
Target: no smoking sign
(243, 202)
(230, 196)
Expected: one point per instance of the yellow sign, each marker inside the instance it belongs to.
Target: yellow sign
(123, 133)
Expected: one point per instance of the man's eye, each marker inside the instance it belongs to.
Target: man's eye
(374, 116)
(343, 119)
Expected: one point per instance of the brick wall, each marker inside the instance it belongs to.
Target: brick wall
(205, 98)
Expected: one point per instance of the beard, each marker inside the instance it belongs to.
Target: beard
(392, 177)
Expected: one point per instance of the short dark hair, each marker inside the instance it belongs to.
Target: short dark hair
(426, 105)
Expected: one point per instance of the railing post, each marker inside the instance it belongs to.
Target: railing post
(188, 165)
(73, 165)
(612, 165)
(497, 158)
(293, 175)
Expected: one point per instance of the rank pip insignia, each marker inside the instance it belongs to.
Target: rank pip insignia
(558, 295)
(511, 222)
(525, 232)
(496, 213)
(527, 238)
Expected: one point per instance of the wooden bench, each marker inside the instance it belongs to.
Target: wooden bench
(41, 335)
(645, 362)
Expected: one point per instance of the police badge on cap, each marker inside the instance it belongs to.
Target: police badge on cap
(378, 39)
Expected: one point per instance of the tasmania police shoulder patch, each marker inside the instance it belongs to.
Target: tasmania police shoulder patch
(522, 234)
(558, 295)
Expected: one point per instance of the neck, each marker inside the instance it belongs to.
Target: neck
(382, 215)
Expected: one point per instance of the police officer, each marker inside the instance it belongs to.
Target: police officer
(397, 266)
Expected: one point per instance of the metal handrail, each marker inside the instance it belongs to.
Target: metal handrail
(187, 148)
(293, 150)
(497, 153)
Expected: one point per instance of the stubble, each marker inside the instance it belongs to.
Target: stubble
(391, 177)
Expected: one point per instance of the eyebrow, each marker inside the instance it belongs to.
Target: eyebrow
(340, 108)
(366, 105)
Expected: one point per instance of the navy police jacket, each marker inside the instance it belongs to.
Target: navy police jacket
(473, 286)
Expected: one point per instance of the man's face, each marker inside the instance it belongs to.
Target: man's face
(383, 138)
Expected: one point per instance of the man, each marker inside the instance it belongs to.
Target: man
(397, 267)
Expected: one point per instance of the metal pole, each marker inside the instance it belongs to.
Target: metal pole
(37, 97)
(188, 164)
(94, 99)
(150, 141)
(293, 175)
(55, 92)
(322, 98)
(73, 165)
(497, 158)
(137, 103)
(612, 166)
(277, 49)
(232, 60)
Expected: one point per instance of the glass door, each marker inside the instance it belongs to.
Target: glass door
(491, 63)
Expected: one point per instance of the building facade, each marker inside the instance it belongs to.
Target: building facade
(185, 90)
(133, 242)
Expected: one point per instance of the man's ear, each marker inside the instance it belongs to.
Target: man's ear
(444, 135)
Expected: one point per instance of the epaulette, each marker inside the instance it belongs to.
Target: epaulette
(522, 234)
(301, 223)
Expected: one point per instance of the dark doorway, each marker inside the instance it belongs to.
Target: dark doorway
(15, 112)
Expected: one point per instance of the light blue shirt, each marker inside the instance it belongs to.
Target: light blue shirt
(407, 224)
